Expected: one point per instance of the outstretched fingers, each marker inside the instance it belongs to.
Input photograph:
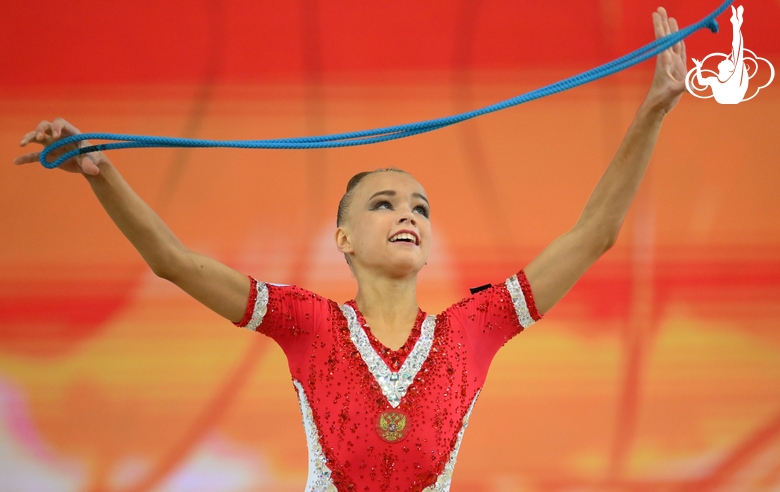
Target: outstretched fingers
(27, 158)
(668, 80)
(48, 132)
(664, 25)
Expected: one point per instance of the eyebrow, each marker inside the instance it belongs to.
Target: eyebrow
(393, 193)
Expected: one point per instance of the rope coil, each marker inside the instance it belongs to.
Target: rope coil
(365, 137)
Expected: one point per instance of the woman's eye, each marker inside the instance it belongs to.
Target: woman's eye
(422, 210)
(383, 204)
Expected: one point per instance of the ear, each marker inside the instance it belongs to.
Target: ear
(343, 243)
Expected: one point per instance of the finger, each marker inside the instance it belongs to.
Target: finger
(27, 158)
(89, 166)
(56, 127)
(62, 127)
(43, 128)
(27, 138)
(657, 25)
(659, 19)
(664, 20)
(667, 28)
(672, 29)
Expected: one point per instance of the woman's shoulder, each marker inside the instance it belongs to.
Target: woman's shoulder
(476, 298)
(298, 294)
(278, 297)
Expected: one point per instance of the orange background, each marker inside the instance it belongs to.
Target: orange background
(659, 371)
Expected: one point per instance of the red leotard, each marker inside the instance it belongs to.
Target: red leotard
(378, 419)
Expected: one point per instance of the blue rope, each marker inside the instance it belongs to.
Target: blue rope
(387, 133)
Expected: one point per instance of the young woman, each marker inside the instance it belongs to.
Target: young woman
(386, 390)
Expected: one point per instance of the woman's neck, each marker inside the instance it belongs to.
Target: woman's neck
(390, 308)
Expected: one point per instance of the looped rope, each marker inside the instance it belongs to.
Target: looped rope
(387, 133)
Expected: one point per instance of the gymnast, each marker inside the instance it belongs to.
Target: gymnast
(731, 84)
(386, 390)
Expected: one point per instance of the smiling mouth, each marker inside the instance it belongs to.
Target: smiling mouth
(405, 237)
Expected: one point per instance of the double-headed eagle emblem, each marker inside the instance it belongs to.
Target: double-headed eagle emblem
(391, 426)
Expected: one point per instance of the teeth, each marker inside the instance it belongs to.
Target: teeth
(404, 236)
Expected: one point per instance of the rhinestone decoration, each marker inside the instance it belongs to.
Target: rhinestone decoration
(518, 299)
(377, 418)
(261, 305)
(393, 384)
(319, 474)
(445, 479)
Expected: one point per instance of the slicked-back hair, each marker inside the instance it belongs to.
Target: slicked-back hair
(347, 198)
(352, 184)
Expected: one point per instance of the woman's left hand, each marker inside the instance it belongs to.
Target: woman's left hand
(670, 69)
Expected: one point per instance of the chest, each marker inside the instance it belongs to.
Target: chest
(372, 409)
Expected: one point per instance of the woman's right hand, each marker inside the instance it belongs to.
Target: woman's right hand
(217, 286)
(46, 133)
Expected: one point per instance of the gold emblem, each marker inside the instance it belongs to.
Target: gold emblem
(392, 426)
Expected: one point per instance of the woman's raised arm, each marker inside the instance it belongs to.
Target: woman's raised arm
(217, 286)
(562, 263)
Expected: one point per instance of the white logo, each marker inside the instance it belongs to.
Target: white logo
(730, 84)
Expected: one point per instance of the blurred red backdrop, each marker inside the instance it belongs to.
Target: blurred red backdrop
(659, 371)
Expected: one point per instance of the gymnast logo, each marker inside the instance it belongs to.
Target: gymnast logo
(730, 84)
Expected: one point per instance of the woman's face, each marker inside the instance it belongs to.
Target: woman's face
(387, 229)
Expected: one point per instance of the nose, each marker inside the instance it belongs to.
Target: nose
(407, 216)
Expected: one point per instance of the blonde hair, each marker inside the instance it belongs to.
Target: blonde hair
(341, 214)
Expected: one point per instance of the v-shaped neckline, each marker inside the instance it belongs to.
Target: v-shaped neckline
(392, 383)
(393, 358)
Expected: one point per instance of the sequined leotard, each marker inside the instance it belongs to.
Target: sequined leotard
(378, 419)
